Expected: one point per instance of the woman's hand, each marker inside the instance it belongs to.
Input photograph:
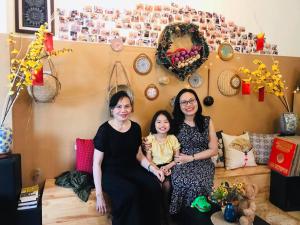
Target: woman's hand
(183, 158)
(166, 170)
(146, 145)
(159, 174)
(100, 204)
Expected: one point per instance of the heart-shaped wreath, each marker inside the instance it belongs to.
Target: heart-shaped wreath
(182, 61)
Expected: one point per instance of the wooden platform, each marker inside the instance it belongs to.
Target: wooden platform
(62, 206)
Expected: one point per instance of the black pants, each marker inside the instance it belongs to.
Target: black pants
(135, 195)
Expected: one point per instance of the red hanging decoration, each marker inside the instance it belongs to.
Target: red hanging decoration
(38, 79)
(245, 87)
(48, 42)
(261, 94)
(260, 40)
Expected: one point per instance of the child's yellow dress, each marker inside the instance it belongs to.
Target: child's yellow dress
(163, 153)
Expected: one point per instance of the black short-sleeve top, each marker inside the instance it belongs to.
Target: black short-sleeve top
(120, 148)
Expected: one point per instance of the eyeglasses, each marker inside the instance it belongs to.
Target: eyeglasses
(185, 103)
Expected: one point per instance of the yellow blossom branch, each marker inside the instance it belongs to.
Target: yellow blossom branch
(22, 70)
(270, 80)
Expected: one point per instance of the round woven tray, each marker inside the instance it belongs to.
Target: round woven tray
(46, 92)
(224, 85)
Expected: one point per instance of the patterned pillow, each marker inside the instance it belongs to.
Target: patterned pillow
(262, 143)
(238, 151)
(218, 160)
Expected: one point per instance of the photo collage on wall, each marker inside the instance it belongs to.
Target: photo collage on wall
(143, 25)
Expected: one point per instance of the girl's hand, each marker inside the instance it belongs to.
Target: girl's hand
(100, 204)
(166, 170)
(159, 174)
(183, 158)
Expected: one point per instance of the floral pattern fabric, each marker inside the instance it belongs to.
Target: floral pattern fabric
(195, 178)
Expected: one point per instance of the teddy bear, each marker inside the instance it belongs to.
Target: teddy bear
(247, 206)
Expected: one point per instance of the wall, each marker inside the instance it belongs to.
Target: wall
(45, 133)
(4, 70)
(3, 17)
(257, 16)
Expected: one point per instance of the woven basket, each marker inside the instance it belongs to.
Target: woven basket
(224, 85)
(115, 84)
(48, 91)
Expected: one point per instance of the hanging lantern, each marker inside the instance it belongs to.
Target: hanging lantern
(261, 94)
(48, 42)
(260, 40)
(245, 87)
(38, 79)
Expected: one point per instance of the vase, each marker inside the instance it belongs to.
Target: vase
(230, 213)
(5, 139)
(288, 124)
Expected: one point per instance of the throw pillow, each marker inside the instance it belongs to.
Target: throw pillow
(84, 155)
(238, 151)
(262, 143)
(218, 160)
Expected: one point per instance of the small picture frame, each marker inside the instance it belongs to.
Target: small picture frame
(151, 92)
(142, 64)
(225, 51)
(30, 15)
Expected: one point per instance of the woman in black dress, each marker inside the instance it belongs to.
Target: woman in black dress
(119, 169)
(194, 171)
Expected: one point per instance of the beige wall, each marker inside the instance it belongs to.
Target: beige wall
(45, 133)
(4, 71)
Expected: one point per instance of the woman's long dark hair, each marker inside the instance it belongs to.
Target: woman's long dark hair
(167, 115)
(179, 116)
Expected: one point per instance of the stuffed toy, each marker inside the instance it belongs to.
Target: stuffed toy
(247, 206)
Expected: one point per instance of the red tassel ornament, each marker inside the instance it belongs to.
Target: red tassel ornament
(260, 41)
(245, 87)
(261, 94)
(38, 79)
(48, 42)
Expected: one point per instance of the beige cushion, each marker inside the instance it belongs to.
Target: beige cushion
(238, 151)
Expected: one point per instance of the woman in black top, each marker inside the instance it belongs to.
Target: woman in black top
(118, 160)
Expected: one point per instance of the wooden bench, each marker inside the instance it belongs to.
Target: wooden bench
(62, 206)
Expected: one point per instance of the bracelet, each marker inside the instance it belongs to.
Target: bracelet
(193, 157)
(149, 166)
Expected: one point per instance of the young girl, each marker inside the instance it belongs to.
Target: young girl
(161, 150)
(163, 145)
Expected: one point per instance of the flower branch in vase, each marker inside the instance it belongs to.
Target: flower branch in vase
(264, 81)
(23, 71)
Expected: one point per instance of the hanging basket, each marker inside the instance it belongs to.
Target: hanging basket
(47, 92)
(115, 84)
